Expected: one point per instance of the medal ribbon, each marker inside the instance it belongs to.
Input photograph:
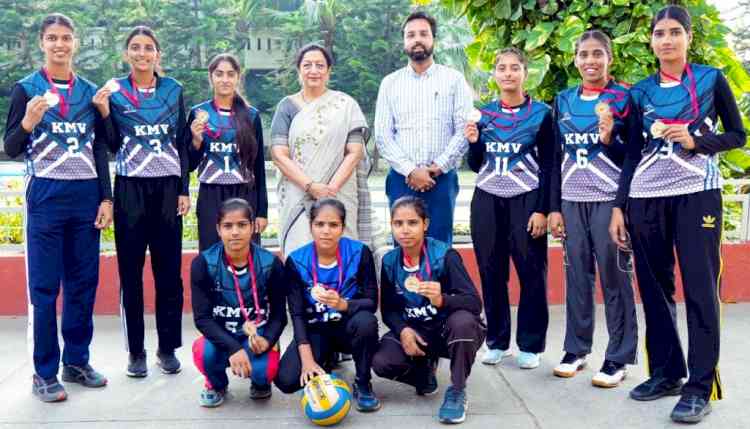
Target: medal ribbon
(315, 268)
(251, 269)
(513, 118)
(619, 96)
(135, 99)
(216, 134)
(692, 91)
(53, 88)
(408, 261)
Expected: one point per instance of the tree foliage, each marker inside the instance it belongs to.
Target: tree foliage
(547, 29)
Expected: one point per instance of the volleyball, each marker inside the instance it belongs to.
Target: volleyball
(326, 400)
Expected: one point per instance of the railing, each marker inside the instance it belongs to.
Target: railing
(11, 206)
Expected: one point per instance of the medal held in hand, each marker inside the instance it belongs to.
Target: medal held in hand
(412, 284)
(201, 116)
(318, 289)
(51, 98)
(250, 327)
(112, 86)
(657, 129)
(474, 116)
(602, 110)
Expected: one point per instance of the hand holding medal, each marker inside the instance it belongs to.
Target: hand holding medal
(324, 295)
(471, 131)
(606, 121)
(432, 291)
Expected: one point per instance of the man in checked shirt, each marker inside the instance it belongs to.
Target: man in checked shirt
(419, 120)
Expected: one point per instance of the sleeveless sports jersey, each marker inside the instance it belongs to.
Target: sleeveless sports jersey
(667, 169)
(224, 296)
(351, 252)
(148, 128)
(221, 162)
(511, 157)
(588, 173)
(416, 308)
(62, 145)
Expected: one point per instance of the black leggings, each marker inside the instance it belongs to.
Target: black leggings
(357, 335)
(458, 340)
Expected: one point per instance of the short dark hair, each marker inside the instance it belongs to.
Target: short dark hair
(235, 204)
(416, 203)
(600, 37)
(333, 203)
(313, 47)
(678, 13)
(55, 18)
(419, 14)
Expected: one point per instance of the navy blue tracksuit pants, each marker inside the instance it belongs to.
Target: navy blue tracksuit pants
(441, 201)
(62, 250)
(690, 225)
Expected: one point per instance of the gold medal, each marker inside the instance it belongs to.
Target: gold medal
(317, 291)
(658, 128)
(201, 116)
(412, 284)
(250, 329)
(602, 109)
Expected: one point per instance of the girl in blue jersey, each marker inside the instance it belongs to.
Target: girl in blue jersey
(432, 309)
(590, 146)
(511, 148)
(239, 305)
(227, 149)
(670, 188)
(333, 295)
(151, 195)
(53, 122)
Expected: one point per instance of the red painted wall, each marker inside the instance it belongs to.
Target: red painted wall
(735, 286)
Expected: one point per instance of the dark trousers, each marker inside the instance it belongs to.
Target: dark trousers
(457, 339)
(62, 249)
(146, 216)
(210, 198)
(690, 224)
(587, 241)
(357, 335)
(499, 232)
(441, 201)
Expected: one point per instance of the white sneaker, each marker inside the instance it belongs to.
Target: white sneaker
(569, 365)
(528, 360)
(495, 356)
(610, 375)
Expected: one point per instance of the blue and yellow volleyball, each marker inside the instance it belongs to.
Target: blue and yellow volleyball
(326, 400)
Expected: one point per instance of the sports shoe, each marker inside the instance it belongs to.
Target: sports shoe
(611, 374)
(365, 398)
(49, 390)
(454, 406)
(260, 391)
(430, 385)
(528, 360)
(495, 356)
(569, 365)
(137, 365)
(691, 409)
(655, 388)
(211, 398)
(83, 375)
(168, 362)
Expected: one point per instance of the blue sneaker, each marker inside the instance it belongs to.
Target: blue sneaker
(83, 375)
(365, 398)
(528, 360)
(211, 398)
(454, 406)
(49, 390)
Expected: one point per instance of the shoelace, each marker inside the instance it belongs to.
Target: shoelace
(453, 397)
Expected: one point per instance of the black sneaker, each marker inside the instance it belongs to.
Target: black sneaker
(430, 385)
(655, 388)
(365, 398)
(168, 362)
(691, 409)
(260, 391)
(84, 375)
(137, 365)
(49, 390)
